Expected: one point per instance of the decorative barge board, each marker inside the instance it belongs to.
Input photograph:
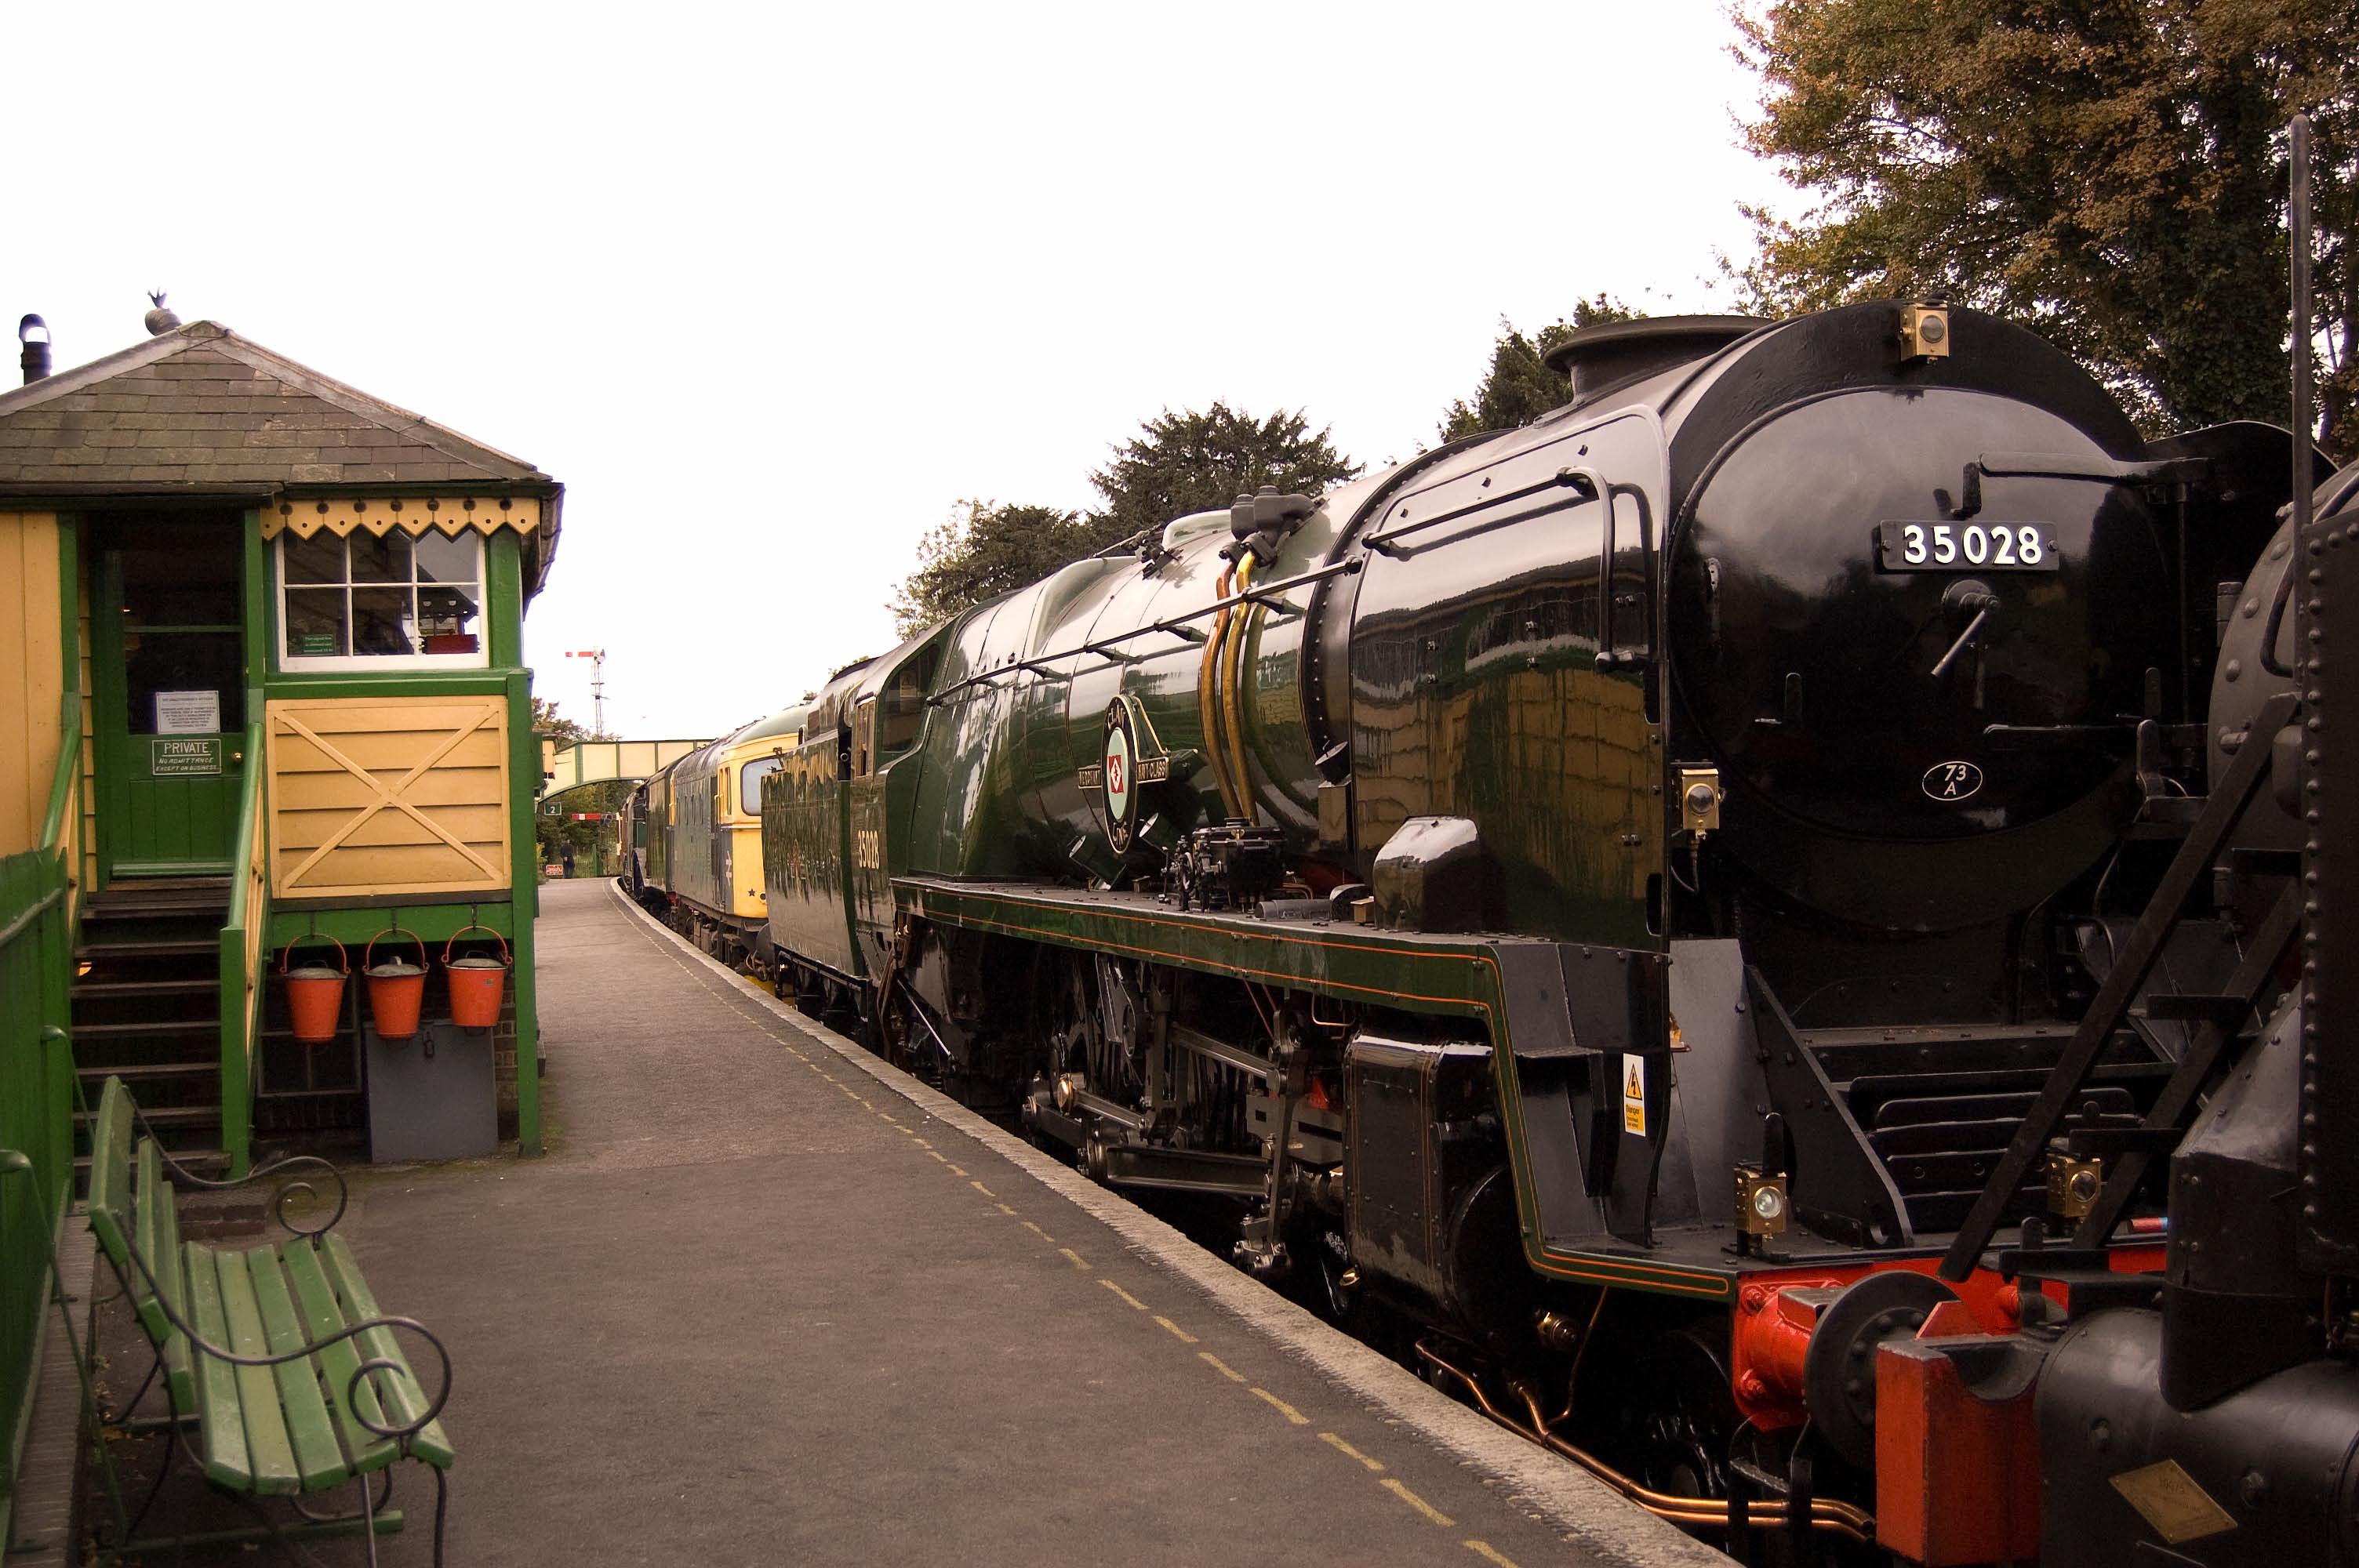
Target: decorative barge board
(279, 700)
(1562, 1042)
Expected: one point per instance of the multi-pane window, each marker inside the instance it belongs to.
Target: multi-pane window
(345, 603)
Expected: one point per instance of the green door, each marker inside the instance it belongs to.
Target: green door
(168, 687)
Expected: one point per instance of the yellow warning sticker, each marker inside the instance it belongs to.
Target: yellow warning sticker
(1634, 1095)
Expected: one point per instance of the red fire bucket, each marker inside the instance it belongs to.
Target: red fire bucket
(315, 993)
(476, 983)
(396, 987)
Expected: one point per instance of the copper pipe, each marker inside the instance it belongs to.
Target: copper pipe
(1241, 775)
(1579, 1353)
(1826, 1513)
(1326, 1023)
(1207, 695)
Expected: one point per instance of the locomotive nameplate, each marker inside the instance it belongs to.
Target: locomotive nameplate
(1146, 770)
(1966, 546)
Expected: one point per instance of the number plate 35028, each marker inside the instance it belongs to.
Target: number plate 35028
(1965, 547)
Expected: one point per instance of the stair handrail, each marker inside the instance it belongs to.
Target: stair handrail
(61, 823)
(243, 939)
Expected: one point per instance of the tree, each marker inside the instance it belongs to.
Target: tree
(1192, 461)
(1177, 463)
(546, 721)
(2109, 172)
(1520, 387)
(984, 549)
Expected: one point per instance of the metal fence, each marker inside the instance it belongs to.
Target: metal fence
(35, 1127)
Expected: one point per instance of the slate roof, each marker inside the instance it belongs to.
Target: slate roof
(200, 411)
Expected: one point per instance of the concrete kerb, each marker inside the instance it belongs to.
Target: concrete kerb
(1588, 1512)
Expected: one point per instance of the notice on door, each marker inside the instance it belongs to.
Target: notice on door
(198, 757)
(188, 713)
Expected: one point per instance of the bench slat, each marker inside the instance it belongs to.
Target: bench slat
(318, 1457)
(404, 1399)
(110, 1171)
(171, 1273)
(322, 1317)
(266, 1442)
(150, 1195)
(221, 1434)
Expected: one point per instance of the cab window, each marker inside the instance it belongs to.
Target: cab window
(863, 734)
(749, 783)
(904, 704)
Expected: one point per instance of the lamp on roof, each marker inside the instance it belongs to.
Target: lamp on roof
(160, 320)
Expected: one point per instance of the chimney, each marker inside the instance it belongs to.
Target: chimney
(34, 333)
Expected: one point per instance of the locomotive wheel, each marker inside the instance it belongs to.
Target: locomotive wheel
(1675, 1413)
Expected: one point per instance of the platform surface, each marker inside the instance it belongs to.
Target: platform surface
(766, 1302)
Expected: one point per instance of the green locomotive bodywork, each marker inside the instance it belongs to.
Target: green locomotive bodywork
(1205, 856)
(1653, 853)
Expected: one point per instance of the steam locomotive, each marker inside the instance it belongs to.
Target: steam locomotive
(1698, 923)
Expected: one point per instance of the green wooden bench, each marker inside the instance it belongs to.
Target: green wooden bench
(276, 1356)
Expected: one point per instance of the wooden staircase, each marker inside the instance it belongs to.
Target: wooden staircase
(147, 1006)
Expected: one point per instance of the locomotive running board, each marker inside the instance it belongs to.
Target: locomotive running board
(1565, 1023)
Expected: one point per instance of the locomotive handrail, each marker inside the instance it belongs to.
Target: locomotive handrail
(1586, 481)
(1174, 625)
(2194, 1069)
(2069, 465)
(2135, 960)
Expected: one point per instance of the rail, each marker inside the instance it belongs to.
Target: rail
(37, 906)
(242, 938)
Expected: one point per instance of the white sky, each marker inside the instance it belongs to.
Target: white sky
(770, 289)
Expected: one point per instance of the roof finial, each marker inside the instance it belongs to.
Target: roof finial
(160, 321)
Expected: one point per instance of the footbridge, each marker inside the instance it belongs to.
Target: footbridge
(568, 765)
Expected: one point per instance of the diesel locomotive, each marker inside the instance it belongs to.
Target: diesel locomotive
(1698, 923)
(694, 854)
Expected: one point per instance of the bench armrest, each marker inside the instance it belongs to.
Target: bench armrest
(297, 1187)
(425, 1418)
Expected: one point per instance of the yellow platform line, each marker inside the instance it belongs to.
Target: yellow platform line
(1340, 1446)
(1419, 1504)
(1293, 1417)
(1223, 1367)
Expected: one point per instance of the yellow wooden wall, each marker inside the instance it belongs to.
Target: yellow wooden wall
(32, 675)
(394, 795)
